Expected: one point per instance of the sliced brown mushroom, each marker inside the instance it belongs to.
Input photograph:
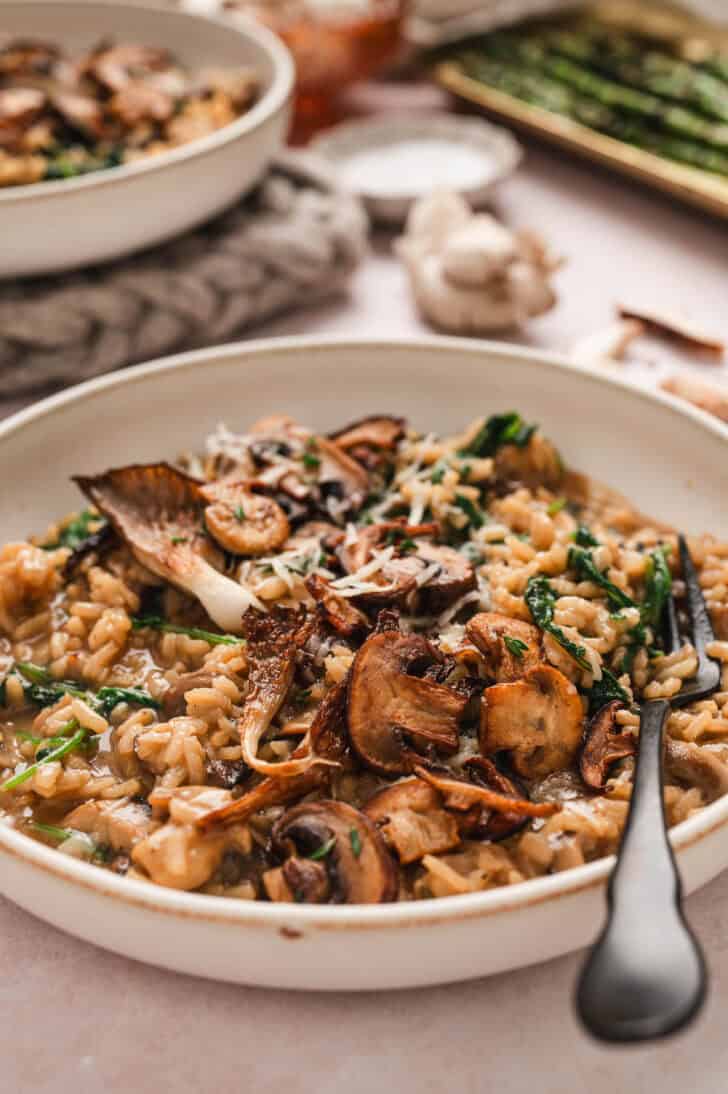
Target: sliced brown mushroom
(412, 820)
(462, 796)
(509, 646)
(158, 511)
(350, 863)
(491, 824)
(121, 64)
(19, 107)
(343, 481)
(385, 703)
(79, 111)
(242, 522)
(370, 440)
(538, 719)
(697, 766)
(339, 612)
(174, 699)
(604, 744)
(25, 57)
(455, 577)
(138, 102)
(536, 464)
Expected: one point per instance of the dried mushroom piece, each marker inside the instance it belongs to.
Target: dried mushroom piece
(336, 610)
(604, 744)
(412, 820)
(537, 719)
(509, 647)
(387, 706)
(333, 855)
(242, 522)
(158, 512)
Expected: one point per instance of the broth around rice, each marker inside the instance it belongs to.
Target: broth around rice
(417, 671)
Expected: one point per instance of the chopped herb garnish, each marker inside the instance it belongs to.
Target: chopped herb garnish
(77, 531)
(323, 850)
(309, 458)
(239, 513)
(51, 830)
(179, 539)
(407, 545)
(584, 538)
(156, 623)
(355, 840)
(69, 744)
(658, 587)
(556, 506)
(515, 646)
(498, 430)
(582, 562)
(474, 515)
(438, 472)
(465, 472)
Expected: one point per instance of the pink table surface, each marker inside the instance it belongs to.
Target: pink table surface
(77, 1020)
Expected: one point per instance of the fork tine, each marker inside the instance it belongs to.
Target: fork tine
(670, 631)
(707, 677)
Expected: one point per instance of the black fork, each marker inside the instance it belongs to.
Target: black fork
(645, 977)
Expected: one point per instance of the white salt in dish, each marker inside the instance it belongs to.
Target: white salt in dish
(391, 162)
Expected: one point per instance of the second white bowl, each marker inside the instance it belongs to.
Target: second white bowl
(49, 227)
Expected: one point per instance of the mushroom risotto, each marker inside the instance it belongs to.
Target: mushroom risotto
(357, 667)
(62, 116)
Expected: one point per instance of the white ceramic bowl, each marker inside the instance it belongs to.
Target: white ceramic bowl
(48, 227)
(390, 162)
(670, 459)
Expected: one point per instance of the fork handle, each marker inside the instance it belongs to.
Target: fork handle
(645, 976)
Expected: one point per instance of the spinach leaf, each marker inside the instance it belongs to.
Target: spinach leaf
(541, 600)
(582, 562)
(605, 691)
(78, 531)
(584, 538)
(156, 623)
(658, 587)
(499, 429)
(107, 698)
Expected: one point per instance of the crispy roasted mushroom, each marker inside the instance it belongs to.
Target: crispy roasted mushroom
(328, 740)
(412, 820)
(385, 704)
(604, 744)
(454, 578)
(79, 111)
(370, 441)
(538, 719)
(486, 823)
(509, 646)
(695, 765)
(336, 610)
(343, 481)
(535, 464)
(158, 510)
(334, 855)
(461, 796)
(242, 522)
(27, 58)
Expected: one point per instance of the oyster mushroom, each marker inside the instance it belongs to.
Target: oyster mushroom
(370, 440)
(385, 703)
(697, 766)
(336, 610)
(354, 866)
(342, 480)
(412, 820)
(462, 796)
(158, 510)
(242, 522)
(509, 647)
(538, 719)
(329, 740)
(454, 577)
(487, 823)
(604, 744)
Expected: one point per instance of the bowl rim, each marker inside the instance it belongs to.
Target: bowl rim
(143, 895)
(271, 102)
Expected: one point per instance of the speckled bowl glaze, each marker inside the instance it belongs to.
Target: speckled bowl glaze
(48, 227)
(668, 458)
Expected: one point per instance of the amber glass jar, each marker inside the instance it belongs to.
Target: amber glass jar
(334, 43)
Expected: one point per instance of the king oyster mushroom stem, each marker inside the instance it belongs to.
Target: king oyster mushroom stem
(158, 511)
(470, 274)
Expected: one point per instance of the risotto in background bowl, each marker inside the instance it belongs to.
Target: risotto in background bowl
(175, 117)
(305, 666)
